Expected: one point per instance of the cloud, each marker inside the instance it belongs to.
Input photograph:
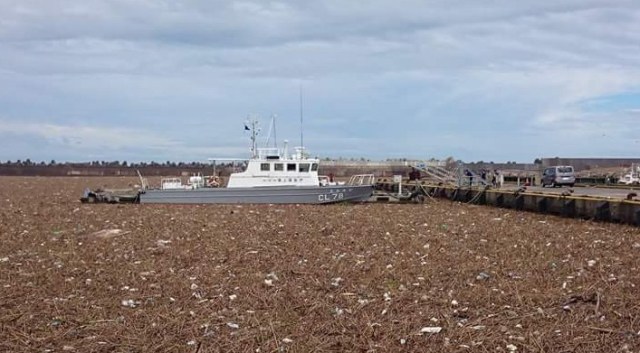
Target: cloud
(87, 136)
(101, 142)
(421, 79)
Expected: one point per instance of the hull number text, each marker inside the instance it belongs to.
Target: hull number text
(330, 197)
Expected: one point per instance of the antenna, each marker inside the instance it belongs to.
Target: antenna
(275, 138)
(301, 119)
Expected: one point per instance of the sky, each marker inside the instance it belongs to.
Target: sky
(158, 80)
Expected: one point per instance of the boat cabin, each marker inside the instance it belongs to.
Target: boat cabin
(275, 167)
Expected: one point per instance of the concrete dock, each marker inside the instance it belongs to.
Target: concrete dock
(620, 205)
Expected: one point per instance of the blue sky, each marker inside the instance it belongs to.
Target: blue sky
(143, 80)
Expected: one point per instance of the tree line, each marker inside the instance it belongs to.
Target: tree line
(123, 164)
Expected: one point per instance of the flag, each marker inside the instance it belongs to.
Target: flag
(246, 128)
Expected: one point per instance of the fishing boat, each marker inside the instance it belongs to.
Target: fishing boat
(272, 175)
(632, 177)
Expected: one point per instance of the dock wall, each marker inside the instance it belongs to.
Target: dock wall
(593, 208)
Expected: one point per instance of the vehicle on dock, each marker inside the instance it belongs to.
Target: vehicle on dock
(558, 176)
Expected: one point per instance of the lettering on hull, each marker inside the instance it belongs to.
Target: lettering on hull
(336, 196)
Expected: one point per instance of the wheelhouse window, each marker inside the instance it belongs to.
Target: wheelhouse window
(265, 167)
(303, 167)
(291, 167)
(278, 167)
(314, 167)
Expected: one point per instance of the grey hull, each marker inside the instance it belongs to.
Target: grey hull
(276, 195)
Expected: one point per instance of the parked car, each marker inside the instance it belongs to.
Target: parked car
(558, 176)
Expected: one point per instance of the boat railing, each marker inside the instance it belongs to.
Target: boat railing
(361, 179)
(265, 153)
(171, 183)
(144, 183)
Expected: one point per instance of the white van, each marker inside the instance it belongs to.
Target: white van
(558, 175)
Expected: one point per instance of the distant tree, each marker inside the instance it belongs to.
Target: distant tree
(124, 163)
(537, 161)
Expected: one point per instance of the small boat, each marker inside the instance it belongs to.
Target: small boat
(632, 177)
(272, 176)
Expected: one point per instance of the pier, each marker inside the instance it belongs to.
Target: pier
(608, 204)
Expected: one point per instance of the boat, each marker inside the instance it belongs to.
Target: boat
(632, 177)
(272, 176)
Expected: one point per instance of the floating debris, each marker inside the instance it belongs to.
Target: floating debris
(482, 276)
(130, 303)
(108, 233)
(432, 329)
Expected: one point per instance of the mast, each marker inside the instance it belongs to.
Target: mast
(301, 118)
(272, 129)
(275, 138)
(254, 134)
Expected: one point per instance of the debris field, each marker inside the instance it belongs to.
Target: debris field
(436, 277)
